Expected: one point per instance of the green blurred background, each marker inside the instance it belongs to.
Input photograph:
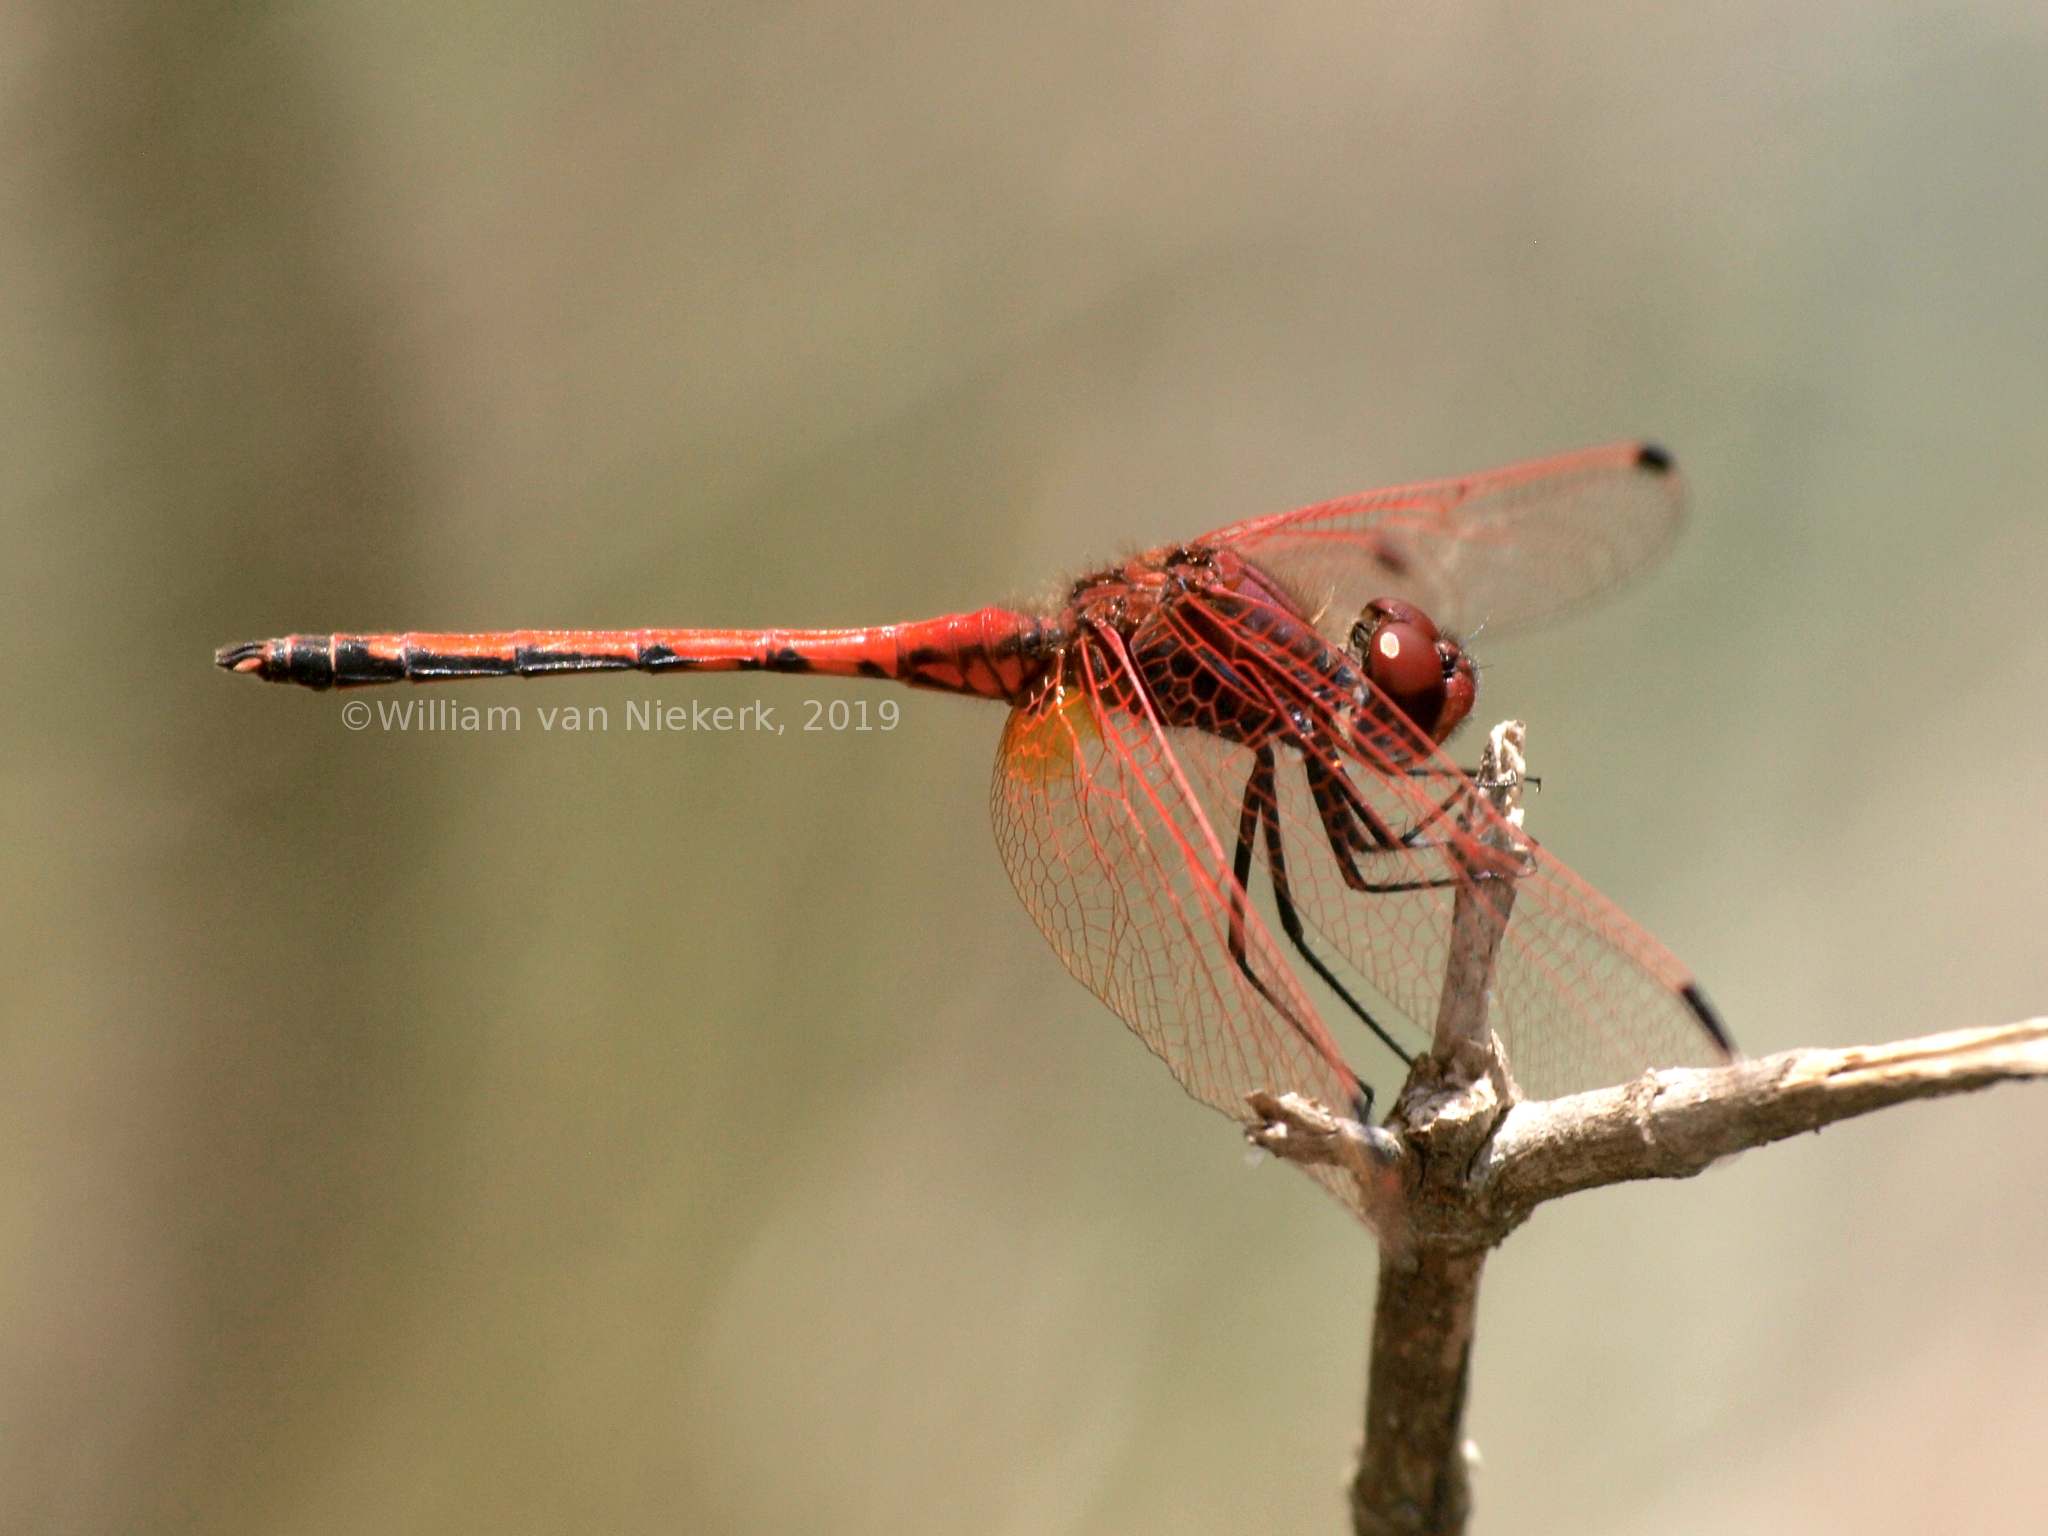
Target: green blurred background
(563, 1134)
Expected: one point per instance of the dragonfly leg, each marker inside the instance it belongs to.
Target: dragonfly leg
(1262, 807)
(1533, 780)
(1480, 862)
(1268, 808)
(1345, 812)
(1353, 827)
(1247, 827)
(1412, 838)
(1331, 781)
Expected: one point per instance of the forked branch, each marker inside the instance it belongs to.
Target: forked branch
(1665, 1125)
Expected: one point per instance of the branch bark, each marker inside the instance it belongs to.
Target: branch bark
(1672, 1124)
(1474, 1163)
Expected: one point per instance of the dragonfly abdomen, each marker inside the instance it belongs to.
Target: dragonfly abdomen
(993, 654)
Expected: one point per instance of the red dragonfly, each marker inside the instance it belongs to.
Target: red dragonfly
(1272, 696)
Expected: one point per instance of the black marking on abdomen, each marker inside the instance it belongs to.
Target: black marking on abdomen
(868, 668)
(442, 664)
(309, 662)
(355, 663)
(532, 661)
(1655, 459)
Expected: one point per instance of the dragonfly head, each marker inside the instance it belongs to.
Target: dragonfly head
(1426, 674)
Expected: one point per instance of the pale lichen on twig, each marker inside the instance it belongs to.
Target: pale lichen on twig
(1463, 1160)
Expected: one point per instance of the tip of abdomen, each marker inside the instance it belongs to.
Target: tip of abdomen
(249, 656)
(307, 660)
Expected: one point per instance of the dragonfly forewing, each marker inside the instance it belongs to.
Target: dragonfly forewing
(1504, 548)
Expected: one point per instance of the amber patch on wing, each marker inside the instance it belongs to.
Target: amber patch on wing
(1043, 739)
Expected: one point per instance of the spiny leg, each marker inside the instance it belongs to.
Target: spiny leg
(1383, 836)
(1353, 827)
(1430, 771)
(1247, 827)
(1342, 804)
(1261, 806)
(1283, 898)
(1486, 866)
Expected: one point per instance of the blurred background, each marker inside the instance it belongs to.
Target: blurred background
(619, 1133)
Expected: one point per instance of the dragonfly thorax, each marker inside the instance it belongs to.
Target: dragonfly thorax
(1205, 627)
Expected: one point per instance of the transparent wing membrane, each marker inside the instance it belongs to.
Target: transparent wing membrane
(1503, 548)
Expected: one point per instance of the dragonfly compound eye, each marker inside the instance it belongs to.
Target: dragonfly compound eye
(1461, 689)
(1403, 660)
